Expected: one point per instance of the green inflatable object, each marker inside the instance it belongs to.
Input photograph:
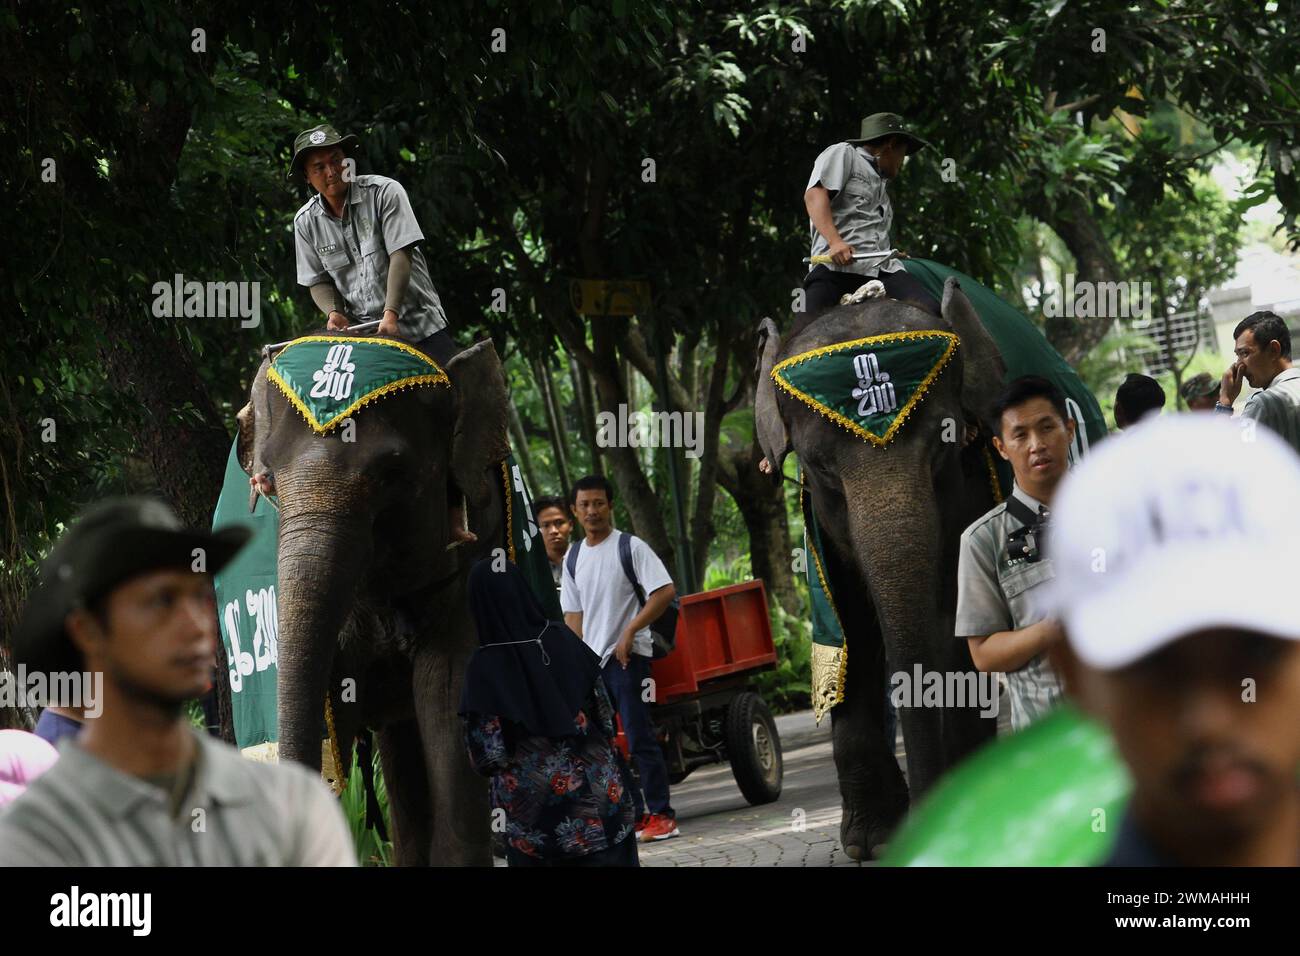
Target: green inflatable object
(1050, 795)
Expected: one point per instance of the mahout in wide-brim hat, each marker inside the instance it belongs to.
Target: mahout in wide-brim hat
(316, 138)
(879, 125)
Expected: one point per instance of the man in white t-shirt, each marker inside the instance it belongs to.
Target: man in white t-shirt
(600, 604)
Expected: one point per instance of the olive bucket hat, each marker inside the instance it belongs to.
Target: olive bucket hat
(879, 125)
(1199, 386)
(110, 543)
(322, 135)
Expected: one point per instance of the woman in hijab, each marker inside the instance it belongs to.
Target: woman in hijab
(539, 723)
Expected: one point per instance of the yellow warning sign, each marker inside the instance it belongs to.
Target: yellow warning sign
(610, 296)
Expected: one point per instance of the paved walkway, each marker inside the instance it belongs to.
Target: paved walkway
(801, 829)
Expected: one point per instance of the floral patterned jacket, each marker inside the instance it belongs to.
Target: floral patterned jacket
(562, 797)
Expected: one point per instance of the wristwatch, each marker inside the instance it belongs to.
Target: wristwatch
(1223, 409)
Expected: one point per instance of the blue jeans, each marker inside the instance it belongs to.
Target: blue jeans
(624, 687)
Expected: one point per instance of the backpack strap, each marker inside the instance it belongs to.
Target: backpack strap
(571, 560)
(625, 559)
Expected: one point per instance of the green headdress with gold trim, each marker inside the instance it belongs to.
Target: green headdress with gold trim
(329, 377)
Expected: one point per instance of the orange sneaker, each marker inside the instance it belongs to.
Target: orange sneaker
(640, 824)
(659, 826)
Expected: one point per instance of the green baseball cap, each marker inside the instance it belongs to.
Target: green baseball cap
(878, 125)
(110, 543)
(317, 136)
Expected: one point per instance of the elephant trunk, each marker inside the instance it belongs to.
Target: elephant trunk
(322, 558)
(895, 539)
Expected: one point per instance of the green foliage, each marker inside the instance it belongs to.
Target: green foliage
(371, 851)
(788, 687)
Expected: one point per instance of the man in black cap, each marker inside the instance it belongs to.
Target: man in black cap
(357, 246)
(127, 593)
(849, 213)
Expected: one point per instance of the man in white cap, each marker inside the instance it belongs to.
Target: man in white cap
(1197, 675)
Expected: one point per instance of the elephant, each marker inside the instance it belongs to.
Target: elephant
(372, 602)
(891, 520)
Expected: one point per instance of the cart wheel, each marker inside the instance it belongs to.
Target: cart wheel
(754, 748)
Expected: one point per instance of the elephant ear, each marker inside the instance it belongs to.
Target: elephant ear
(773, 438)
(479, 439)
(254, 422)
(982, 367)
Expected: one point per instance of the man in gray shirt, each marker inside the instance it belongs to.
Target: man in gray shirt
(1263, 347)
(357, 247)
(849, 212)
(119, 599)
(1000, 599)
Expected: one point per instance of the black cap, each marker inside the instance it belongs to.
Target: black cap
(110, 543)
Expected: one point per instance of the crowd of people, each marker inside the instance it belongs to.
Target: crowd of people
(1112, 581)
(1109, 580)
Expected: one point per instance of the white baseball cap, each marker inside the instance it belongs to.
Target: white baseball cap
(1145, 525)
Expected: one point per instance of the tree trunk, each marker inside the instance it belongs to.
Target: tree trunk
(1071, 217)
(586, 414)
(762, 506)
(702, 531)
(554, 422)
(178, 432)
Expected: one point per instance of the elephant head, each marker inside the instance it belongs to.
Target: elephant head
(891, 517)
(364, 514)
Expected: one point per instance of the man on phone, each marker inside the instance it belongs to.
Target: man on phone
(1263, 349)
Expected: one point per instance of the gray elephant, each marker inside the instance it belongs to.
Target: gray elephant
(891, 516)
(372, 602)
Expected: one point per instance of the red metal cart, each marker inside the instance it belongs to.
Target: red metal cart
(704, 709)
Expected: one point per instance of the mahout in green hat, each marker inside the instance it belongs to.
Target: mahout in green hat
(317, 136)
(879, 125)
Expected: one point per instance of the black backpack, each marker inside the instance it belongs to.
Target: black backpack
(663, 629)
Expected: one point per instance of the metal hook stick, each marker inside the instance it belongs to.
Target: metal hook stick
(350, 330)
(857, 257)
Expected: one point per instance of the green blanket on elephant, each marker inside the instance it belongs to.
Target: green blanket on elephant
(329, 377)
(831, 379)
(868, 386)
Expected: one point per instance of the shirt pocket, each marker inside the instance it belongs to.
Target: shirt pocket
(1018, 584)
(336, 262)
(857, 187)
(374, 257)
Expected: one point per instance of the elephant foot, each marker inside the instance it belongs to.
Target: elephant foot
(863, 835)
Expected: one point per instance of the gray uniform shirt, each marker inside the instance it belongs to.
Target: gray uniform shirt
(353, 252)
(860, 206)
(1278, 406)
(84, 812)
(995, 593)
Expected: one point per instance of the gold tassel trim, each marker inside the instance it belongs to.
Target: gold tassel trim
(333, 773)
(436, 377)
(510, 510)
(844, 422)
